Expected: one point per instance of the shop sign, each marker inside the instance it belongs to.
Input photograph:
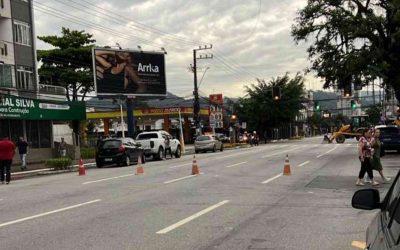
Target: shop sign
(14, 107)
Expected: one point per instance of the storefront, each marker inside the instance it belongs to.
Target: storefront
(33, 119)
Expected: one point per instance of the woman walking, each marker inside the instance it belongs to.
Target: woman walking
(365, 154)
(376, 157)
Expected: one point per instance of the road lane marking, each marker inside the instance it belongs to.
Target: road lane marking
(266, 156)
(226, 156)
(47, 213)
(107, 179)
(359, 244)
(327, 152)
(237, 164)
(190, 218)
(304, 163)
(187, 164)
(271, 179)
(179, 179)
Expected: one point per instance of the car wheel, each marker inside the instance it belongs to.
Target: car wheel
(214, 148)
(99, 164)
(143, 158)
(340, 139)
(178, 152)
(196, 151)
(127, 161)
(222, 147)
(160, 153)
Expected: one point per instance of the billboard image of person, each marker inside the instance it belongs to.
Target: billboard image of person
(119, 72)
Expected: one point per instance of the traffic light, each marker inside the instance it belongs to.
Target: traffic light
(353, 105)
(276, 93)
(317, 107)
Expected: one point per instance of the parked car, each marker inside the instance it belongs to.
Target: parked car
(222, 137)
(205, 143)
(384, 231)
(154, 144)
(390, 137)
(120, 151)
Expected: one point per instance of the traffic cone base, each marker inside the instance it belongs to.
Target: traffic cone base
(82, 170)
(286, 167)
(195, 168)
(139, 168)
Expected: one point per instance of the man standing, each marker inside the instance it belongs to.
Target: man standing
(7, 151)
(23, 151)
(62, 148)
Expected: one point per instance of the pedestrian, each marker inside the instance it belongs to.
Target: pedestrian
(7, 151)
(365, 154)
(168, 146)
(376, 156)
(62, 148)
(22, 151)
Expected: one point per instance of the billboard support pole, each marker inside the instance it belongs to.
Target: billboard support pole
(130, 117)
(122, 117)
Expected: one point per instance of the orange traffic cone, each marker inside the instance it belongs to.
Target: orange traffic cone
(195, 168)
(286, 167)
(82, 170)
(139, 168)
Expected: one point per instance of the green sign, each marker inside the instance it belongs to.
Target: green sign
(14, 107)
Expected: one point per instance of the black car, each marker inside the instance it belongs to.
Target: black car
(390, 137)
(120, 151)
(384, 231)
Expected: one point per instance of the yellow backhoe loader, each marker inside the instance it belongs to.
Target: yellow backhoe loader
(358, 124)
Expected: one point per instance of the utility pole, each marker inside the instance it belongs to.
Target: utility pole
(196, 104)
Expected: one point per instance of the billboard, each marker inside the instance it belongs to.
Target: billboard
(130, 73)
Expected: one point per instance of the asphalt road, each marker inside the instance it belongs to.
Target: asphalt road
(239, 201)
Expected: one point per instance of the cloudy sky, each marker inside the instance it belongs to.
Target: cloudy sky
(251, 39)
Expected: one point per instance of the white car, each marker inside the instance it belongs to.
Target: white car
(154, 144)
(206, 143)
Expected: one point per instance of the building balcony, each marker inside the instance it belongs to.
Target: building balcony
(52, 92)
(6, 52)
(5, 9)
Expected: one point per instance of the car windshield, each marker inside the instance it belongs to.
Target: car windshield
(203, 138)
(112, 144)
(389, 131)
(146, 136)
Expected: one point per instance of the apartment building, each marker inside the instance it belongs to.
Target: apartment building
(18, 74)
(28, 109)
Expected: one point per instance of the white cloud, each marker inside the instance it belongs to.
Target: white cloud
(246, 44)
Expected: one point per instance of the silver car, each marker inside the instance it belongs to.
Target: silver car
(205, 143)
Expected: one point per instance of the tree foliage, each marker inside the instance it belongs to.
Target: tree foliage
(259, 109)
(69, 63)
(374, 114)
(353, 41)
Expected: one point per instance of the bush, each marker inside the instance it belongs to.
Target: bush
(59, 163)
(88, 153)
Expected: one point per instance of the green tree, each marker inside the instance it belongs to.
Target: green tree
(69, 63)
(374, 114)
(259, 109)
(353, 41)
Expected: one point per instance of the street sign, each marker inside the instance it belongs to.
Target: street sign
(244, 125)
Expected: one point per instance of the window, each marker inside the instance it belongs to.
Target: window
(392, 211)
(147, 136)
(22, 33)
(24, 77)
(3, 50)
(2, 4)
(7, 76)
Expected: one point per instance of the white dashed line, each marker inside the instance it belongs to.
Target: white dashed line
(266, 156)
(237, 164)
(271, 179)
(47, 213)
(179, 179)
(304, 163)
(190, 218)
(319, 156)
(107, 179)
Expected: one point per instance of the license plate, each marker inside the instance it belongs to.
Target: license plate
(108, 159)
